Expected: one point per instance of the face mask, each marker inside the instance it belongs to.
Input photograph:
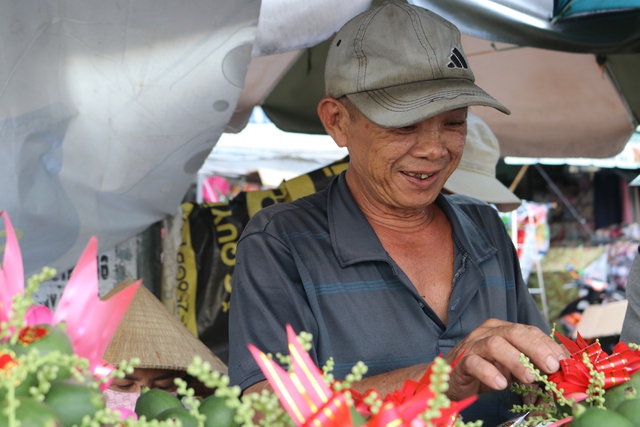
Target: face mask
(120, 400)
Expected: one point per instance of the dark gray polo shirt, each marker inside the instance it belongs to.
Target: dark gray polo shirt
(316, 263)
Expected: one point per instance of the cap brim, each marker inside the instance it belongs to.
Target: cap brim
(404, 105)
(482, 187)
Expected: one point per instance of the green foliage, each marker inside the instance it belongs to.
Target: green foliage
(47, 378)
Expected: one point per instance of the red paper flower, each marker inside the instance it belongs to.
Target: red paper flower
(7, 366)
(7, 362)
(30, 334)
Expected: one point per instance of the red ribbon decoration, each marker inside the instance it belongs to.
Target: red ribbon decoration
(334, 413)
(358, 400)
(303, 392)
(573, 376)
(312, 403)
(560, 422)
(406, 414)
(401, 407)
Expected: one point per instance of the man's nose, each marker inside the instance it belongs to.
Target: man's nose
(429, 145)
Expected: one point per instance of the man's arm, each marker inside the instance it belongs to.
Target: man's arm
(490, 362)
(383, 383)
(258, 387)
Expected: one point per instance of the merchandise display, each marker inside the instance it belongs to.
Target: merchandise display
(591, 389)
(53, 372)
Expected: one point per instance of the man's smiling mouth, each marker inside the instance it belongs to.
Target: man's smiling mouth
(419, 175)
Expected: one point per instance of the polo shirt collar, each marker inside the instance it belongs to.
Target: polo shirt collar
(472, 238)
(352, 236)
(354, 240)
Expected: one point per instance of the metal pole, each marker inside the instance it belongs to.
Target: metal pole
(572, 210)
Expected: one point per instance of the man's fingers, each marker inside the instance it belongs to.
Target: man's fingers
(478, 368)
(504, 371)
(492, 357)
(543, 352)
(500, 352)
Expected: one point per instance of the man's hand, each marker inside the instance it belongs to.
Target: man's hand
(491, 357)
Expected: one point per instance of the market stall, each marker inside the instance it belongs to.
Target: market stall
(107, 126)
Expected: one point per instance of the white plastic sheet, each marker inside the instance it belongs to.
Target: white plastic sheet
(109, 108)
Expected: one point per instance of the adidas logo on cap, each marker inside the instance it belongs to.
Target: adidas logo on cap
(456, 60)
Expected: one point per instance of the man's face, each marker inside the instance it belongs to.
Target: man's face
(404, 168)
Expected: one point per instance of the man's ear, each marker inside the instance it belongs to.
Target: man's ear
(335, 118)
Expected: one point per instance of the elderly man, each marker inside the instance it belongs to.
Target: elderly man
(380, 266)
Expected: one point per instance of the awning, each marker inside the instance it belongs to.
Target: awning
(628, 158)
(570, 79)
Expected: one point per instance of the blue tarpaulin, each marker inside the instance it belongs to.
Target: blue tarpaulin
(568, 8)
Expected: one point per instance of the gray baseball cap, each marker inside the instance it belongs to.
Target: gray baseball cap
(400, 64)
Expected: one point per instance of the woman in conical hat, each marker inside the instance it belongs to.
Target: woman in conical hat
(164, 345)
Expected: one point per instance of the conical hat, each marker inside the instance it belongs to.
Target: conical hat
(151, 333)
